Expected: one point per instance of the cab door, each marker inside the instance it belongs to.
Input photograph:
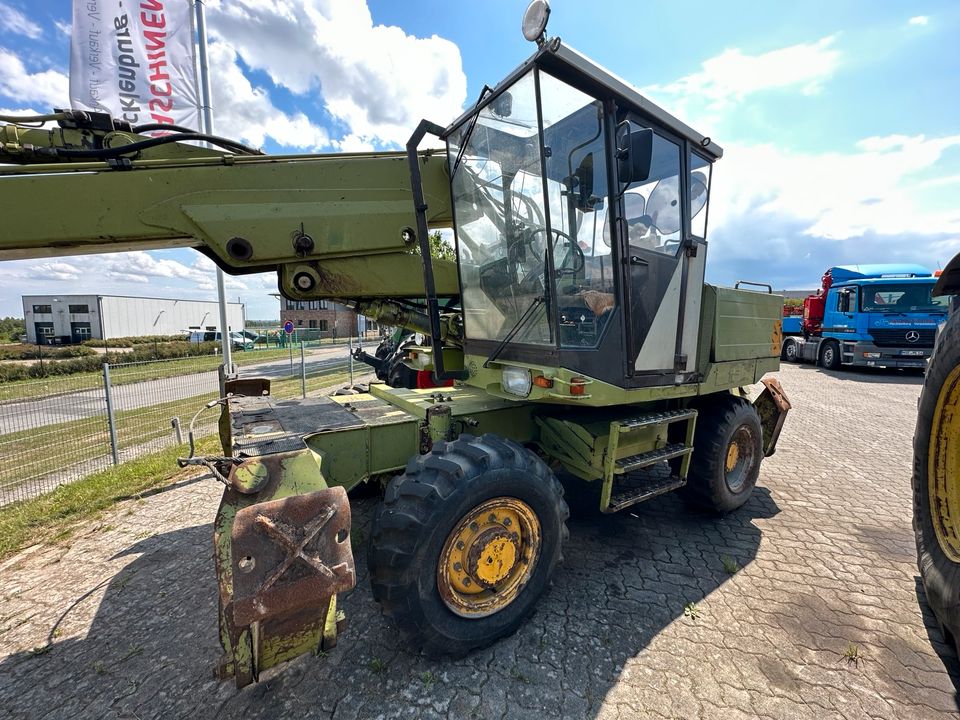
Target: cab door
(651, 234)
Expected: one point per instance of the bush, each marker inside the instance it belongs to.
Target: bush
(10, 372)
(125, 342)
(33, 352)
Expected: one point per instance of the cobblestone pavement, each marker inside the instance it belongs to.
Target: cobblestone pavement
(826, 567)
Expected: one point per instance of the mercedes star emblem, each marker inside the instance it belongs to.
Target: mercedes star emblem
(912, 336)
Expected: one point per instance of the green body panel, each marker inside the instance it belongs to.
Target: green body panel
(746, 324)
(386, 440)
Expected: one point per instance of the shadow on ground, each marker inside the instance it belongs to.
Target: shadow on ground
(149, 650)
(946, 652)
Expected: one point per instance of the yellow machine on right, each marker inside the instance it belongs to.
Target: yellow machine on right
(936, 467)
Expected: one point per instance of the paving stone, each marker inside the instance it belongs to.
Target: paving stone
(128, 608)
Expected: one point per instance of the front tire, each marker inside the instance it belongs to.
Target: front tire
(728, 447)
(466, 542)
(936, 482)
(789, 350)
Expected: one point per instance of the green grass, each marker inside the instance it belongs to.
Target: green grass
(54, 516)
(730, 566)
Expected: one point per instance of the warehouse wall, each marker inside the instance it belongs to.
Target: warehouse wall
(121, 316)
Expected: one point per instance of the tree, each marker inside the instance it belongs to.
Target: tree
(439, 247)
(11, 329)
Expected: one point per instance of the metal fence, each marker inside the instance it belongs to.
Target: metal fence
(59, 429)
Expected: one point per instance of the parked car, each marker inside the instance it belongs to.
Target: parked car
(239, 339)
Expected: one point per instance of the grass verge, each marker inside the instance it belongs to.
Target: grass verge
(54, 516)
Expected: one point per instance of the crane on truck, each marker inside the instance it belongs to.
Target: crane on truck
(574, 322)
(879, 315)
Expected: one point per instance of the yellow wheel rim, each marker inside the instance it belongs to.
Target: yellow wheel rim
(733, 454)
(943, 465)
(488, 557)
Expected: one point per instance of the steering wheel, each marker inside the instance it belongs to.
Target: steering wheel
(536, 271)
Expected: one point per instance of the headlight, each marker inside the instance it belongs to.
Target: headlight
(516, 381)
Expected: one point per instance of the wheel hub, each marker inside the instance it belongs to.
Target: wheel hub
(492, 556)
(488, 557)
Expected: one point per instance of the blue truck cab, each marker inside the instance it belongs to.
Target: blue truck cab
(879, 315)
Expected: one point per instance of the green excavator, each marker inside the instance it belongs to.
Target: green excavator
(573, 336)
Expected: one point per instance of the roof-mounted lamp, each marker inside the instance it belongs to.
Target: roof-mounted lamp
(535, 21)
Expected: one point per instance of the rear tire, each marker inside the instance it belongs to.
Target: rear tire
(440, 527)
(830, 356)
(728, 447)
(936, 482)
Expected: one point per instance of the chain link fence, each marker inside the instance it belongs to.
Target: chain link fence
(59, 429)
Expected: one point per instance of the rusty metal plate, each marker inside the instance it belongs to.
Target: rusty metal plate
(291, 554)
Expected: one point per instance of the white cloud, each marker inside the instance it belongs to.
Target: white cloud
(64, 27)
(871, 189)
(376, 80)
(50, 88)
(733, 75)
(918, 20)
(56, 271)
(15, 21)
(244, 112)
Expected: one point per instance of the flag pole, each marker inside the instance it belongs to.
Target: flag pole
(206, 126)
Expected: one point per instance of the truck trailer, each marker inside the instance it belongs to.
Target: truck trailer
(878, 315)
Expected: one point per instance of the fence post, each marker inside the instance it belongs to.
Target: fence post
(303, 372)
(111, 420)
(350, 353)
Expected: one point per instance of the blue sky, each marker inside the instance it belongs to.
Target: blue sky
(839, 119)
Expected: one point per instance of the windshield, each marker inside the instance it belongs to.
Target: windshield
(500, 213)
(512, 226)
(902, 298)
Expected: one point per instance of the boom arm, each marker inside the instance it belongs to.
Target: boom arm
(343, 221)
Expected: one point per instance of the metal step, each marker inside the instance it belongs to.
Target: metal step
(657, 418)
(667, 452)
(649, 489)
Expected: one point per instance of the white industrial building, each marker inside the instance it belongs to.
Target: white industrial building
(75, 318)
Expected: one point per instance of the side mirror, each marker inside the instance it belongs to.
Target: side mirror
(634, 153)
(584, 198)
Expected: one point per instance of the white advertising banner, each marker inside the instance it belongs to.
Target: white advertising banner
(134, 59)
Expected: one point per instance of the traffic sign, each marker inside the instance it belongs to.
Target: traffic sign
(288, 327)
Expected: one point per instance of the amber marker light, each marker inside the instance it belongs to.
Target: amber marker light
(578, 386)
(543, 382)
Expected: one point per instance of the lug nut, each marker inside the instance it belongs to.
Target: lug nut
(460, 545)
(458, 567)
(506, 522)
(474, 526)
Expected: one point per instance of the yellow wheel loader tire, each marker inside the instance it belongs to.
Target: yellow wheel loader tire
(465, 543)
(936, 482)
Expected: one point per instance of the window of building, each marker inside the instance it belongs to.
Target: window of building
(42, 309)
(313, 324)
(323, 325)
(79, 308)
(299, 323)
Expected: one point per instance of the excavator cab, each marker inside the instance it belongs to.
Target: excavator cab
(580, 220)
